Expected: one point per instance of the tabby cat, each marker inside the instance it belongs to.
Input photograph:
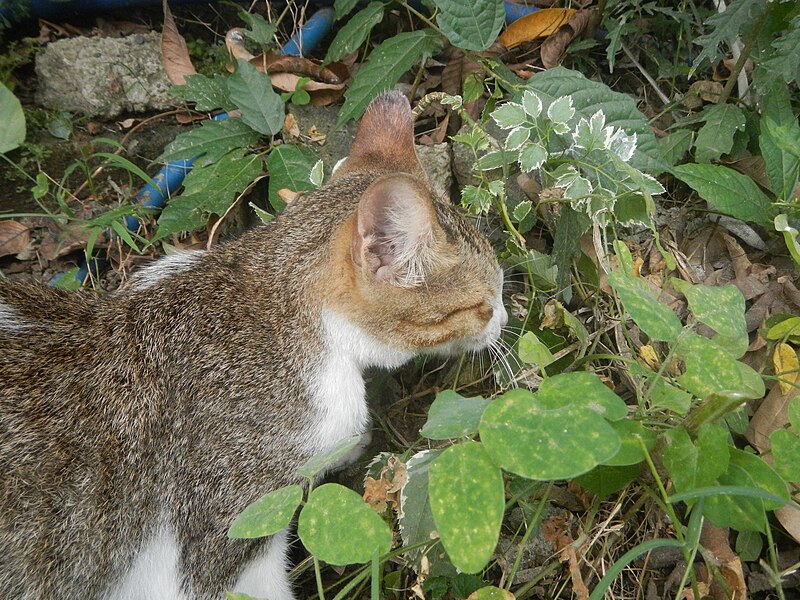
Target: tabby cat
(134, 428)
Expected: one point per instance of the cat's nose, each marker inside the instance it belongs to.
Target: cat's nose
(503, 316)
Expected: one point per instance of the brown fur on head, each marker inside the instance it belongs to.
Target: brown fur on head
(408, 268)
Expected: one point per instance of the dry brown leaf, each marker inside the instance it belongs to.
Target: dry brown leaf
(14, 237)
(553, 315)
(534, 26)
(772, 414)
(384, 493)
(290, 125)
(754, 167)
(288, 195)
(787, 367)
(718, 553)
(702, 91)
(174, 52)
(555, 45)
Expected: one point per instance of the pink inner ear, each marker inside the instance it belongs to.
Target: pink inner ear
(394, 228)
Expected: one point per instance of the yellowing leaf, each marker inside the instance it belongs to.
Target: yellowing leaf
(787, 366)
(534, 26)
(649, 356)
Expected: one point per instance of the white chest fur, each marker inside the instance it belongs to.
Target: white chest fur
(338, 387)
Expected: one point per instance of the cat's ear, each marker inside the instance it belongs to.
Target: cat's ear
(385, 137)
(395, 234)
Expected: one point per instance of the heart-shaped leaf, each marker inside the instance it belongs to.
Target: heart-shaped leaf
(268, 515)
(453, 416)
(338, 527)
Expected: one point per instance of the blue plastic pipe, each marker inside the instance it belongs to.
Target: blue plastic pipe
(311, 34)
(517, 11)
(60, 9)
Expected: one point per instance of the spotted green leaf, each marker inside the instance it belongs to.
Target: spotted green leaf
(453, 416)
(545, 444)
(712, 371)
(268, 515)
(631, 433)
(655, 319)
(338, 527)
(721, 308)
(786, 452)
(584, 389)
(491, 592)
(697, 464)
(740, 512)
(467, 500)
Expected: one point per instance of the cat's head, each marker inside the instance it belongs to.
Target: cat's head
(411, 270)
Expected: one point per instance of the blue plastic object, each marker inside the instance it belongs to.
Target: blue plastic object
(311, 34)
(517, 11)
(61, 9)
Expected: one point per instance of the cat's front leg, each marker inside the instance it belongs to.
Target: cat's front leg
(265, 576)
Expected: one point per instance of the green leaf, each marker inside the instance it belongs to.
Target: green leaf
(790, 236)
(209, 189)
(722, 309)
(262, 215)
(453, 416)
(343, 7)
(467, 500)
(693, 466)
(726, 26)
(571, 226)
(261, 31)
(210, 142)
(251, 90)
(780, 147)
(207, 93)
(710, 371)
(715, 137)
(338, 527)
(60, 125)
(727, 191)
(666, 396)
(749, 545)
(12, 121)
(794, 414)
(533, 351)
(510, 115)
(350, 37)
(545, 444)
(386, 64)
(604, 481)
(782, 65)
(630, 452)
(583, 389)
(470, 25)
(268, 515)
(675, 145)
(786, 452)
(289, 167)
(745, 513)
(620, 110)
(491, 592)
(655, 319)
(322, 462)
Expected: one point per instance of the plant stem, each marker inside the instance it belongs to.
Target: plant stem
(531, 526)
(745, 54)
(318, 575)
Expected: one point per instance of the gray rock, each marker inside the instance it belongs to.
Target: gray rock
(437, 161)
(102, 77)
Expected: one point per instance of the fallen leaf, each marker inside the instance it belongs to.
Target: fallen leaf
(290, 125)
(718, 554)
(174, 52)
(539, 24)
(14, 237)
(702, 91)
(555, 45)
(787, 367)
(383, 493)
(648, 355)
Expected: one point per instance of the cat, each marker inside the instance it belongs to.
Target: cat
(135, 428)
